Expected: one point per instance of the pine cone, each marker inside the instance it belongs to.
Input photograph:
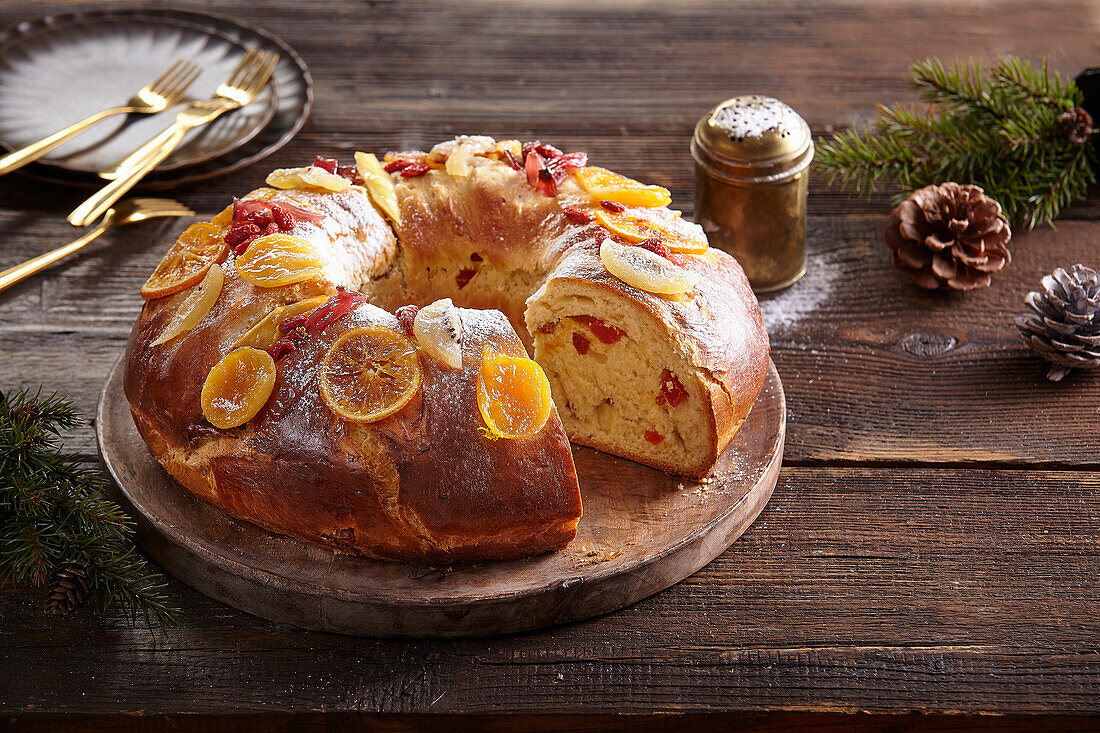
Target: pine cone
(1064, 326)
(1075, 125)
(69, 589)
(949, 236)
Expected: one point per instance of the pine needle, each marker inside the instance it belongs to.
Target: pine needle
(53, 511)
(999, 131)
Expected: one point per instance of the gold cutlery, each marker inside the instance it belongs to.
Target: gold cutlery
(242, 86)
(163, 92)
(127, 212)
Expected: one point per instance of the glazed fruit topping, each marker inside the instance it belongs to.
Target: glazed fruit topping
(654, 437)
(547, 167)
(672, 392)
(406, 315)
(309, 177)
(638, 228)
(646, 270)
(237, 387)
(612, 206)
(607, 185)
(274, 260)
(408, 168)
(195, 307)
(601, 329)
(379, 186)
(333, 166)
(370, 373)
(513, 396)
(438, 331)
(266, 332)
(581, 343)
(576, 215)
(187, 262)
(252, 218)
(656, 246)
(302, 325)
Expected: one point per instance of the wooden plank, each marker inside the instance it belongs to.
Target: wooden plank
(857, 589)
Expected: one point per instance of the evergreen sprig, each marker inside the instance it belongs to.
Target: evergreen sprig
(53, 511)
(1000, 131)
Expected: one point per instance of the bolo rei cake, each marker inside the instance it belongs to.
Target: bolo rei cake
(390, 359)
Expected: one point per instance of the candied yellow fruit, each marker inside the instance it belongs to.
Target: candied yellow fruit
(646, 270)
(195, 306)
(186, 263)
(379, 185)
(266, 331)
(310, 177)
(513, 396)
(370, 373)
(237, 387)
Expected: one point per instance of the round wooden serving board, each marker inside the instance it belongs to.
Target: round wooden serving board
(641, 532)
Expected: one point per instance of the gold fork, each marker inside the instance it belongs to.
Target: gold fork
(163, 92)
(127, 212)
(241, 88)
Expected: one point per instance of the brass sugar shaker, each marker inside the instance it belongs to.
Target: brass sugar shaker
(752, 157)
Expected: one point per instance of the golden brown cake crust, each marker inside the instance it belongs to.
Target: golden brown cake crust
(424, 484)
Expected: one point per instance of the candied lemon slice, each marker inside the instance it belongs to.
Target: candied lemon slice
(186, 263)
(278, 259)
(636, 228)
(513, 396)
(438, 330)
(370, 373)
(308, 177)
(266, 332)
(610, 186)
(379, 185)
(195, 306)
(645, 270)
(237, 387)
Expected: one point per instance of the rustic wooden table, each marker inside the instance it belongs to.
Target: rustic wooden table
(931, 546)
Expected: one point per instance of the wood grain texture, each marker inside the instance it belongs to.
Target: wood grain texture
(931, 543)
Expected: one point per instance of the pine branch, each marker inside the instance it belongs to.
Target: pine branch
(53, 511)
(1002, 132)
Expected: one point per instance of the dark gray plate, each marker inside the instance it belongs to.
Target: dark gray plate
(61, 68)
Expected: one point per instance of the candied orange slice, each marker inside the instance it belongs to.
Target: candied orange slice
(199, 247)
(237, 387)
(279, 259)
(513, 396)
(266, 331)
(370, 373)
(195, 306)
(605, 185)
(635, 228)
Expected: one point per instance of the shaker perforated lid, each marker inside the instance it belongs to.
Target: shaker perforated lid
(752, 137)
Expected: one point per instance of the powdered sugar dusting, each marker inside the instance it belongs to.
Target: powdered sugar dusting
(785, 310)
